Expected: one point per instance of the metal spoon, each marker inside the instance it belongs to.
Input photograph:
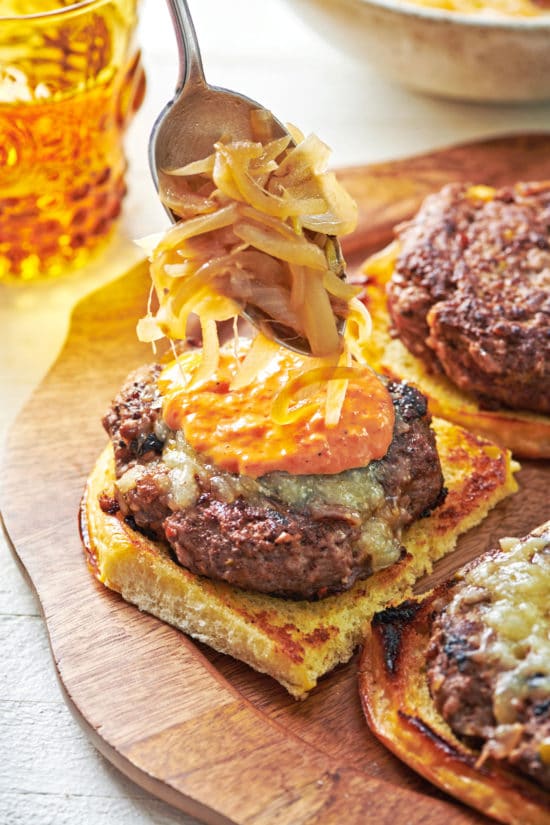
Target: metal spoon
(190, 124)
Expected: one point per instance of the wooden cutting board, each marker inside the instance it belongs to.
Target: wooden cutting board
(198, 729)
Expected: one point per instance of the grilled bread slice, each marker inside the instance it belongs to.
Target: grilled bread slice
(295, 642)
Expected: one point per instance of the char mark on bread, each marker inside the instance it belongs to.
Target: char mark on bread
(470, 294)
(304, 536)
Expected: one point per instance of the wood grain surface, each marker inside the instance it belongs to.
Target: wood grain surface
(198, 729)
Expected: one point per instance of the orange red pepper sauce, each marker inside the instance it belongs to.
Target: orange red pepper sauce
(235, 428)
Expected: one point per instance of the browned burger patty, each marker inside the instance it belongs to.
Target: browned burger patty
(294, 536)
(470, 294)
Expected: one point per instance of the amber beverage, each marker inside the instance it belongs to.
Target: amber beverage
(70, 80)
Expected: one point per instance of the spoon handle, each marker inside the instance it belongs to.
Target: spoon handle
(190, 61)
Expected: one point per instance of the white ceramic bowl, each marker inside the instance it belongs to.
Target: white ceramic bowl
(467, 57)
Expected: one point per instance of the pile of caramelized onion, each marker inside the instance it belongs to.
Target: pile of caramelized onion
(257, 226)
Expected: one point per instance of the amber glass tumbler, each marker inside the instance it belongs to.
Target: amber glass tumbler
(70, 80)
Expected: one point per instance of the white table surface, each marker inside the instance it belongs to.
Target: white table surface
(50, 774)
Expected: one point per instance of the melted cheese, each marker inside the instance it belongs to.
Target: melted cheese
(233, 425)
(511, 593)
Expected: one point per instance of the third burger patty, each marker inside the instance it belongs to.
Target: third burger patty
(295, 536)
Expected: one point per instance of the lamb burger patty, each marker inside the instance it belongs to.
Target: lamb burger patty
(470, 293)
(298, 536)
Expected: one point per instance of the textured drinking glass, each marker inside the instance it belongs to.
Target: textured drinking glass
(70, 80)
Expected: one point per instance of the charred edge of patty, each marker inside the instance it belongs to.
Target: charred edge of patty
(422, 489)
(264, 544)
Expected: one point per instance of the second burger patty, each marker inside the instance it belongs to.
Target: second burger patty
(303, 536)
(470, 294)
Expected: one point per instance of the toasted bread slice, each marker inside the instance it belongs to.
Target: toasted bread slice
(296, 642)
(399, 710)
(527, 434)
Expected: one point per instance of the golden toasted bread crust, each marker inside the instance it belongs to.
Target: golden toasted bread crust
(296, 642)
(400, 712)
(526, 434)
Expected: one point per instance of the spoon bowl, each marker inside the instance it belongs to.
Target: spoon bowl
(190, 125)
(199, 114)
